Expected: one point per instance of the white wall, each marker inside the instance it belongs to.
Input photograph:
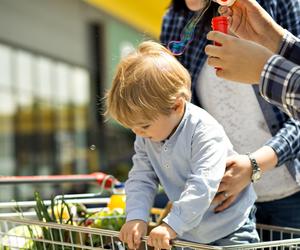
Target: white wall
(56, 28)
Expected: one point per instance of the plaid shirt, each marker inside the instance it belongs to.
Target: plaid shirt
(285, 131)
(280, 82)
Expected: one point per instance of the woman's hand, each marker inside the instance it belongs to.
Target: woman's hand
(237, 59)
(132, 233)
(160, 236)
(250, 21)
(238, 174)
(236, 178)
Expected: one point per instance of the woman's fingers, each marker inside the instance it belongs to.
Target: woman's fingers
(225, 204)
(214, 62)
(225, 11)
(219, 198)
(217, 36)
(212, 50)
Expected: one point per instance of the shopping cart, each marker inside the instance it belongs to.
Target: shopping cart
(28, 233)
(105, 182)
(14, 235)
(78, 237)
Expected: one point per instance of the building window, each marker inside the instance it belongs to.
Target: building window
(44, 116)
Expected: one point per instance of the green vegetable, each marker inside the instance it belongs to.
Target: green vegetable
(21, 237)
(108, 219)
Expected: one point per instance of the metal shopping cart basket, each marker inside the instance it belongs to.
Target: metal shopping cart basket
(76, 237)
(20, 229)
(28, 233)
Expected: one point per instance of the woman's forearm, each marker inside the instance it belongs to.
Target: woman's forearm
(266, 158)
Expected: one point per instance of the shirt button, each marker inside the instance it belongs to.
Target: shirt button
(166, 148)
(166, 165)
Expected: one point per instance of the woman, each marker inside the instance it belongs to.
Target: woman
(252, 124)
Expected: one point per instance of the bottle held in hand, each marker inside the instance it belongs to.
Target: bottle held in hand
(220, 23)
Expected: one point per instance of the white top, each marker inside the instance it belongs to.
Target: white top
(236, 107)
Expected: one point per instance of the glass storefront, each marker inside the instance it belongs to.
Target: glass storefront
(44, 115)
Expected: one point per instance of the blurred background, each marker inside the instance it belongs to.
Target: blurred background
(57, 58)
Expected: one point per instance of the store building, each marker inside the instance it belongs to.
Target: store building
(57, 57)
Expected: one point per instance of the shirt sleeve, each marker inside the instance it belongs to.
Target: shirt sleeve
(166, 27)
(208, 159)
(286, 143)
(290, 48)
(286, 13)
(141, 186)
(280, 85)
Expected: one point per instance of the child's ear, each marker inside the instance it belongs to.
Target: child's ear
(179, 105)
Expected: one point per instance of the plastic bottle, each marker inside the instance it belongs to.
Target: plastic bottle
(220, 23)
(118, 198)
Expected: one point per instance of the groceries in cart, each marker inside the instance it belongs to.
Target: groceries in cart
(63, 210)
(68, 222)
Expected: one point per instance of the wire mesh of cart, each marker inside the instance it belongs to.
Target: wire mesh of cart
(20, 222)
(31, 234)
(26, 232)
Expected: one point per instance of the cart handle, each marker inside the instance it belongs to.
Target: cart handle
(98, 177)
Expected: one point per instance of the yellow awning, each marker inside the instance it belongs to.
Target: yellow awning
(145, 15)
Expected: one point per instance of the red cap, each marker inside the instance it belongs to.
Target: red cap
(220, 23)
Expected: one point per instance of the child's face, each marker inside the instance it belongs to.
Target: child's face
(161, 128)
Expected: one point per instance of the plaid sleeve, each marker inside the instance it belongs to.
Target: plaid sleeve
(290, 47)
(165, 24)
(285, 141)
(280, 85)
(287, 14)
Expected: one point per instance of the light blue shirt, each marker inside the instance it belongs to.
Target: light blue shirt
(189, 166)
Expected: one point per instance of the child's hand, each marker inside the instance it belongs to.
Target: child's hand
(132, 232)
(160, 237)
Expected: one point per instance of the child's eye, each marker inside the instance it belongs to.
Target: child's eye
(145, 127)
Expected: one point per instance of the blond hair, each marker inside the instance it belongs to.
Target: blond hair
(147, 83)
